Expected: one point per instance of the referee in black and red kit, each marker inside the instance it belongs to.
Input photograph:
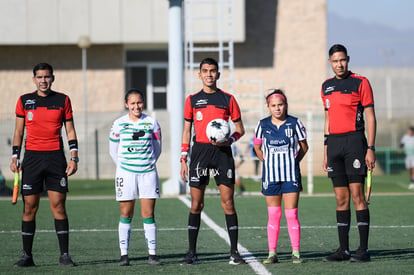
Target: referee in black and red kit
(43, 113)
(210, 158)
(347, 98)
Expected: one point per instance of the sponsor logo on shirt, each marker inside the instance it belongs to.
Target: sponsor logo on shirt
(329, 89)
(202, 102)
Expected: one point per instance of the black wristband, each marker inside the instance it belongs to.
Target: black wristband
(16, 151)
(73, 145)
(325, 139)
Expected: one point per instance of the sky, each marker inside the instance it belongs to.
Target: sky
(393, 13)
(377, 33)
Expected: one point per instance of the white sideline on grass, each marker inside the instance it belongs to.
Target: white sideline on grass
(258, 267)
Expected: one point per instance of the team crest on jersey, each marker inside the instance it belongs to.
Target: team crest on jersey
(289, 132)
(30, 116)
(147, 126)
(356, 164)
(63, 182)
(199, 116)
(327, 103)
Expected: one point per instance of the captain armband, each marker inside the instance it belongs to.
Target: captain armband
(16, 151)
(234, 137)
(73, 145)
(325, 139)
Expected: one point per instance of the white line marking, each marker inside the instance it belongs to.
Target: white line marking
(249, 257)
(74, 230)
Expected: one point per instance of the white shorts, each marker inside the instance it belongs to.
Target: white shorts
(409, 162)
(130, 186)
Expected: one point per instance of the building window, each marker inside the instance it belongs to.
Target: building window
(148, 72)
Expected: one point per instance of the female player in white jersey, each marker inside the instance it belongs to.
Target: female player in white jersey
(280, 143)
(135, 145)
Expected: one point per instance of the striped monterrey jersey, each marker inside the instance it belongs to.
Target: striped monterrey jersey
(135, 145)
(280, 146)
(44, 118)
(345, 100)
(201, 107)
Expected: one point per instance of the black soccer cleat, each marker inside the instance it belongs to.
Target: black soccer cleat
(153, 260)
(361, 255)
(66, 260)
(236, 259)
(338, 255)
(190, 259)
(25, 261)
(124, 261)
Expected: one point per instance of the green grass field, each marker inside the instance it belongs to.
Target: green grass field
(94, 235)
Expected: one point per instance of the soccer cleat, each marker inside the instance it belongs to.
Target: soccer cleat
(236, 259)
(24, 261)
(190, 259)
(153, 260)
(66, 260)
(271, 260)
(296, 259)
(361, 255)
(124, 261)
(338, 255)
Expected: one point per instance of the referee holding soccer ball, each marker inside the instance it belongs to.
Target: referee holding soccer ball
(348, 154)
(210, 158)
(43, 113)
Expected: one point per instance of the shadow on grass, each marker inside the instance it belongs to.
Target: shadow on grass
(209, 258)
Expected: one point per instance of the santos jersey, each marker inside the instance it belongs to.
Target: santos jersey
(44, 118)
(280, 146)
(345, 100)
(200, 108)
(135, 145)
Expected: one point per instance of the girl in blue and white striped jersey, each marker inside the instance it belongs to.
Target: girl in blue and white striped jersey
(280, 143)
(135, 145)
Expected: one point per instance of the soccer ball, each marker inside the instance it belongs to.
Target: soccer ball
(218, 130)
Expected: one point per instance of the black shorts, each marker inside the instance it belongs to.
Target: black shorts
(209, 160)
(346, 158)
(44, 168)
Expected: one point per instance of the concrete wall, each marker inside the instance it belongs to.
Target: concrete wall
(284, 47)
(39, 22)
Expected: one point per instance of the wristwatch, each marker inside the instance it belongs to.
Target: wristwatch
(371, 148)
(75, 159)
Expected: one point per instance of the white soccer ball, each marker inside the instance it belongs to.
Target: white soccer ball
(218, 130)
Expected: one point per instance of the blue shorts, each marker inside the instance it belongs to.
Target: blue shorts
(281, 187)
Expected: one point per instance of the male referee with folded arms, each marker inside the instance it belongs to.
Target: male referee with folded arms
(42, 114)
(348, 101)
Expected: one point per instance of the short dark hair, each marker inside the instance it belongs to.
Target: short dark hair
(411, 128)
(209, 61)
(337, 48)
(42, 66)
(133, 91)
